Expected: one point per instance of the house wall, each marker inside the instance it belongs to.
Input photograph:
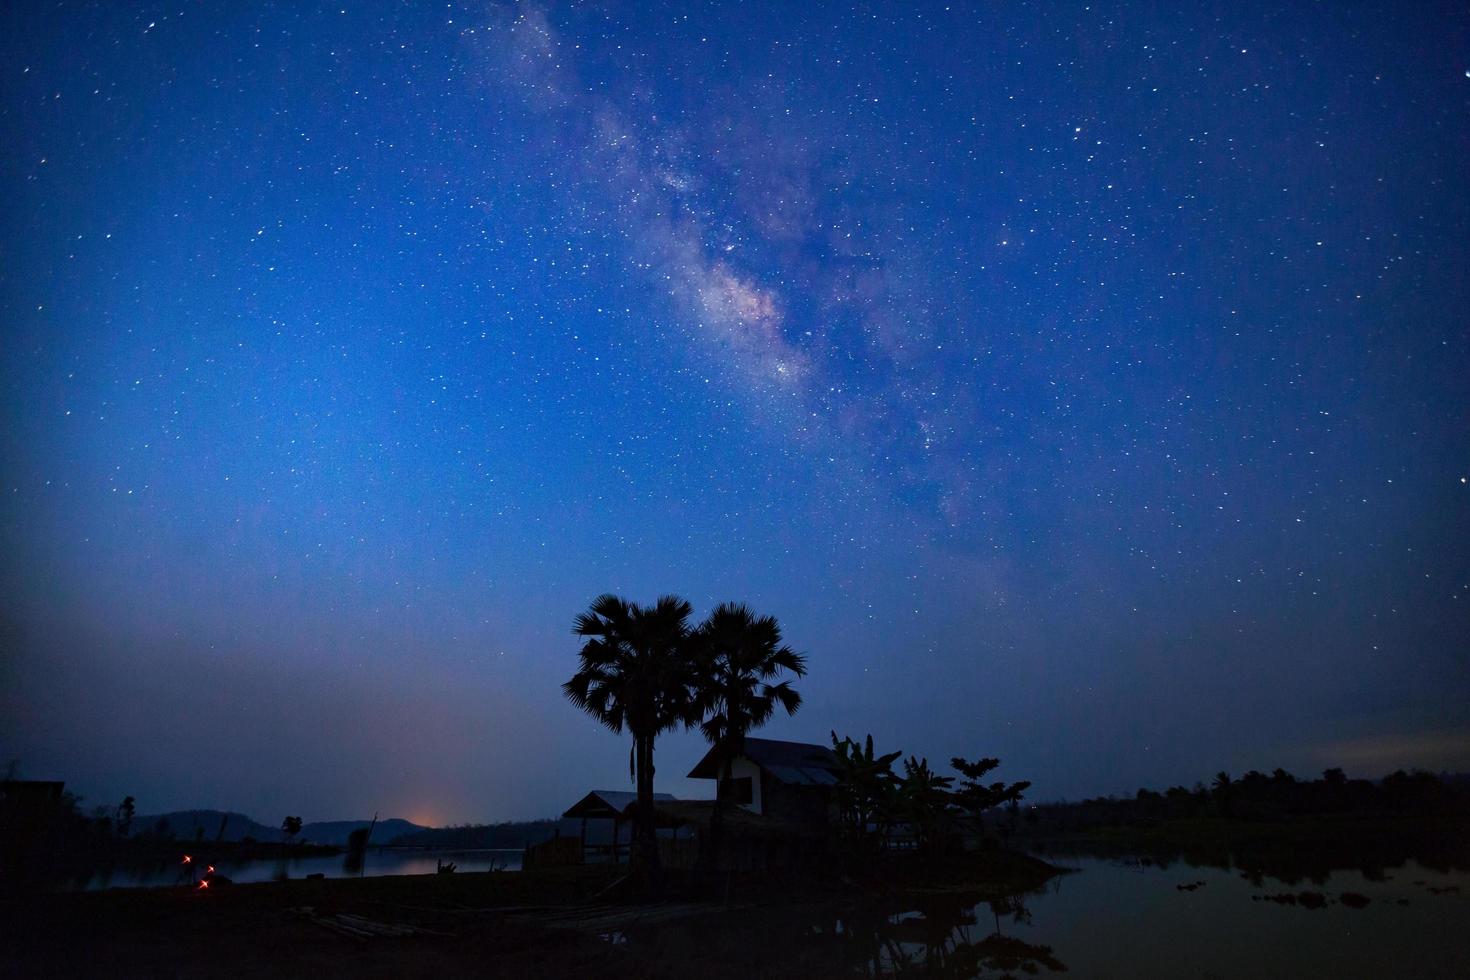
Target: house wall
(808, 805)
(743, 768)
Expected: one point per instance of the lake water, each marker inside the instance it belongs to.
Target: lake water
(1117, 918)
(388, 862)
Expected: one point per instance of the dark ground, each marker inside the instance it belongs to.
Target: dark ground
(542, 923)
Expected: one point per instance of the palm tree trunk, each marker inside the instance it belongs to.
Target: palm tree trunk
(647, 840)
(717, 816)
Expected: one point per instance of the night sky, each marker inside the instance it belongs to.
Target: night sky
(1080, 384)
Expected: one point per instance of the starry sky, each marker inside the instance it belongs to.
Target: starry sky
(1082, 384)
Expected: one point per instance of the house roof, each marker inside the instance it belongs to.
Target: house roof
(796, 763)
(608, 803)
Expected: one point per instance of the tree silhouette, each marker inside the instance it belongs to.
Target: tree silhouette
(291, 826)
(975, 797)
(126, 810)
(864, 782)
(1224, 793)
(635, 673)
(923, 798)
(739, 656)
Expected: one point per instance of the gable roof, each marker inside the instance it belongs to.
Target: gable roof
(608, 803)
(796, 763)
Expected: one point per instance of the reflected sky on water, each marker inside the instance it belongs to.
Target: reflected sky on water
(333, 866)
(1116, 917)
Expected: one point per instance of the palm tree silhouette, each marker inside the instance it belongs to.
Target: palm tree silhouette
(740, 656)
(1224, 793)
(636, 673)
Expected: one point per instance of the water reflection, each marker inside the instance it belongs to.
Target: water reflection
(948, 936)
(162, 873)
(1293, 862)
(1309, 910)
(941, 937)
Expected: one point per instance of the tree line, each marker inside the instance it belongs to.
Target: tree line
(1258, 795)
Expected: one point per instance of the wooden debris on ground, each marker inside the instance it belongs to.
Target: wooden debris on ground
(360, 928)
(592, 919)
(599, 919)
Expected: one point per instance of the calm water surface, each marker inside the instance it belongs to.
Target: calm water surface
(389, 862)
(1125, 919)
(1118, 918)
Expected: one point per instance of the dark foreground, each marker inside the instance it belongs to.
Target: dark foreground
(545, 923)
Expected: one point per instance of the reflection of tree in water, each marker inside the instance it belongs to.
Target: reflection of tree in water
(936, 940)
(932, 936)
(1293, 862)
(1005, 955)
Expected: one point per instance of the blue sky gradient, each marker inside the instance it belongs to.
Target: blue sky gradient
(1078, 384)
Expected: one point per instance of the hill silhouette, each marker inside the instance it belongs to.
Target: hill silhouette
(185, 824)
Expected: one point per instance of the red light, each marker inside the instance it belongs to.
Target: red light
(203, 884)
(210, 870)
(187, 859)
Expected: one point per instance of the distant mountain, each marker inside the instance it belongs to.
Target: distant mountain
(336, 831)
(184, 825)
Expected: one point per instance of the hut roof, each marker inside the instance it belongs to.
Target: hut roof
(608, 803)
(796, 763)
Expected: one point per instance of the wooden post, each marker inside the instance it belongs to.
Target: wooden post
(584, 840)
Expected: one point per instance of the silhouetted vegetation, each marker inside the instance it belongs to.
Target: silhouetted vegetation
(126, 810)
(1256, 796)
(879, 808)
(977, 798)
(867, 791)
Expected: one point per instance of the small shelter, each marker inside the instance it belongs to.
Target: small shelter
(606, 804)
(790, 781)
